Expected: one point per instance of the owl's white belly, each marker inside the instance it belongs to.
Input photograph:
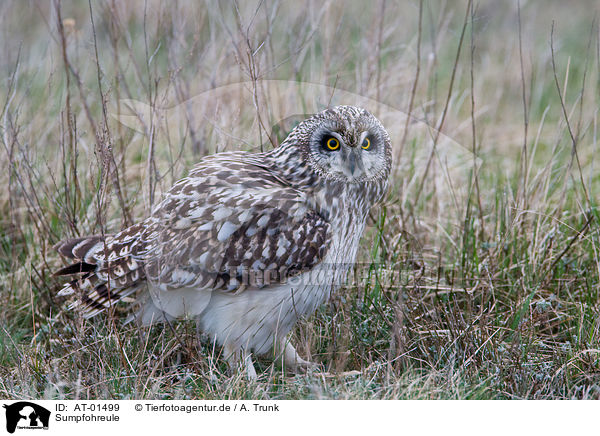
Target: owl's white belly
(254, 319)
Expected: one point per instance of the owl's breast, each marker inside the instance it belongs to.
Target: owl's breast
(347, 217)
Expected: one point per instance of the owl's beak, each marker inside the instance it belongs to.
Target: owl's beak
(355, 163)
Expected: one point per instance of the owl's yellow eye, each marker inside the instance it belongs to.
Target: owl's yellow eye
(366, 144)
(333, 144)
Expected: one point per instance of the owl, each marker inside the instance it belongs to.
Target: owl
(247, 243)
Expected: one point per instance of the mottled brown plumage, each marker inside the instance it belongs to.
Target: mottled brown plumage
(246, 243)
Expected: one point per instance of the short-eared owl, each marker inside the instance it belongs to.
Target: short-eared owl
(248, 242)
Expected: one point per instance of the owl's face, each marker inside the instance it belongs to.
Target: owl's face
(348, 144)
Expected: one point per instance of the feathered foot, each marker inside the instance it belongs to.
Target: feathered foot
(237, 358)
(291, 359)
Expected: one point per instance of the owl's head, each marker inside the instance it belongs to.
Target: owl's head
(344, 143)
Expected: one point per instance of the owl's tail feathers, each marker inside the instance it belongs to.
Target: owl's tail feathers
(109, 273)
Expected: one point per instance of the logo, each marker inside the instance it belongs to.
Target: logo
(26, 415)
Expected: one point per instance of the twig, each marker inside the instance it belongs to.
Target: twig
(438, 130)
(574, 139)
(524, 153)
(474, 147)
(415, 84)
(580, 233)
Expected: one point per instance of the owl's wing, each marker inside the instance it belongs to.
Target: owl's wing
(230, 226)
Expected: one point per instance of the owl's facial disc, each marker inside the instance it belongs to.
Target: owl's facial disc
(350, 156)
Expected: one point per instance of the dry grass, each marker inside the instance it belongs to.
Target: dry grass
(491, 228)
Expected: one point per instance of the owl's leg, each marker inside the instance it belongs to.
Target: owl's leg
(250, 371)
(291, 359)
(237, 358)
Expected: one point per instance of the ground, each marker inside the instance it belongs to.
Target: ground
(478, 276)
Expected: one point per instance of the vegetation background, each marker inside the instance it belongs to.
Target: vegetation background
(497, 260)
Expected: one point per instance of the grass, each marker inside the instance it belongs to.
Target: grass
(481, 270)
